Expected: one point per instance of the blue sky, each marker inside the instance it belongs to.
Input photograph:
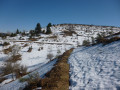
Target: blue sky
(25, 14)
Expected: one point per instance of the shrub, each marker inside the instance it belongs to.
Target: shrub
(20, 70)
(29, 49)
(32, 39)
(6, 43)
(15, 50)
(69, 33)
(14, 58)
(99, 39)
(8, 50)
(50, 56)
(107, 41)
(2, 79)
(33, 81)
(14, 68)
(86, 43)
(8, 68)
(25, 45)
(58, 52)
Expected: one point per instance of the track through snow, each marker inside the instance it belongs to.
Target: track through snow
(96, 67)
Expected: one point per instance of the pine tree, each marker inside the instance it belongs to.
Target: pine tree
(38, 29)
(17, 32)
(49, 29)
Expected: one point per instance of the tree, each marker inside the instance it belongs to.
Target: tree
(32, 33)
(17, 32)
(13, 35)
(49, 29)
(38, 29)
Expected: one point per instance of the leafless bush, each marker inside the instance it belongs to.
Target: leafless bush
(15, 50)
(20, 70)
(8, 50)
(8, 68)
(33, 81)
(50, 56)
(14, 58)
(14, 69)
(58, 51)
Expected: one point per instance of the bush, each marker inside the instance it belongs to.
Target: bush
(107, 41)
(32, 39)
(86, 43)
(69, 33)
(6, 43)
(2, 79)
(29, 49)
(50, 56)
(25, 45)
(14, 68)
(8, 50)
(33, 81)
(20, 70)
(99, 39)
(14, 58)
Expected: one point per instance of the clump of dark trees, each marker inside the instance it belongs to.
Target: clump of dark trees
(36, 32)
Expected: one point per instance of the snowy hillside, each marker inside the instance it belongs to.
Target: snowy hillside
(95, 67)
(37, 52)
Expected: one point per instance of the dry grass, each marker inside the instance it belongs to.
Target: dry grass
(58, 77)
(69, 33)
(52, 37)
(33, 39)
(6, 51)
(14, 58)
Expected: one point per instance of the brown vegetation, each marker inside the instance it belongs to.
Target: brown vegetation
(14, 58)
(53, 36)
(58, 77)
(33, 81)
(33, 39)
(107, 41)
(69, 33)
(2, 79)
(25, 45)
(29, 49)
(14, 68)
(6, 51)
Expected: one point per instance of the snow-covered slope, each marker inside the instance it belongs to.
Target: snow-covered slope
(96, 67)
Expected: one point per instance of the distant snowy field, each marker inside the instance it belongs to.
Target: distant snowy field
(96, 67)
